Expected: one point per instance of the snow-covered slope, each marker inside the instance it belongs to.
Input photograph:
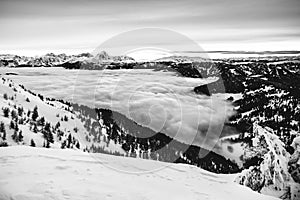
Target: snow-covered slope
(65, 126)
(39, 173)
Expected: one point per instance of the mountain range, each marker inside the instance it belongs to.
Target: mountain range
(267, 118)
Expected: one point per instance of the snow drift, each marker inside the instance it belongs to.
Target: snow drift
(40, 173)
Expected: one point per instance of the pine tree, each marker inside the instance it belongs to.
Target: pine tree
(35, 129)
(47, 144)
(69, 141)
(6, 112)
(2, 127)
(20, 111)
(21, 121)
(35, 114)
(57, 125)
(20, 137)
(13, 114)
(65, 118)
(63, 144)
(12, 125)
(32, 143)
(16, 126)
(5, 96)
(50, 137)
(47, 133)
(41, 121)
(15, 136)
(28, 113)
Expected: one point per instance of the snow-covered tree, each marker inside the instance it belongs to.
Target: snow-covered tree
(271, 175)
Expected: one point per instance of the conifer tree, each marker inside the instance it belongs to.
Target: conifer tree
(65, 118)
(47, 133)
(32, 143)
(35, 129)
(5, 96)
(6, 112)
(20, 137)
(57, 125)
(15, 136)
(2, 127)
(78, 145)
(47, 144)
(12, 125)
(13, 114)
(20, 111)
(41, 121)
(28, 113)
(63, 144)
(16, 126)
(50, 137)
(35, 114)
(69, 141)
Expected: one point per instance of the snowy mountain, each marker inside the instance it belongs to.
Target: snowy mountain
(52, 60)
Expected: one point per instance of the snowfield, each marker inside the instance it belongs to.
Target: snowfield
(39, 173)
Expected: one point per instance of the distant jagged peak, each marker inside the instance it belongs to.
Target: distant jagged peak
(103, 55)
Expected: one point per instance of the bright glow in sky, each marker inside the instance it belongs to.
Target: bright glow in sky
(148, 54)
(31, 27)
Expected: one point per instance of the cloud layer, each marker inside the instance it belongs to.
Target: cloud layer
(162, 101)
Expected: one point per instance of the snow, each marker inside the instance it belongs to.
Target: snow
(52, 111)
(271, 177)
(296, 143)
(40, 173)
(49, 112)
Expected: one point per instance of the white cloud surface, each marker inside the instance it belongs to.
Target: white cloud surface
(160, 100)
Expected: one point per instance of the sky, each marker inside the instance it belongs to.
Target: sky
(33, 27)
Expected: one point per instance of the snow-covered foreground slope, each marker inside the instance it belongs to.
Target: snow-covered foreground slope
(39, 173)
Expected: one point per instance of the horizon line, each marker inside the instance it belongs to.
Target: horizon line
(187, 52)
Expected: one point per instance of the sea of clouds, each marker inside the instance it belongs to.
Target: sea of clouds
(163, 101)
